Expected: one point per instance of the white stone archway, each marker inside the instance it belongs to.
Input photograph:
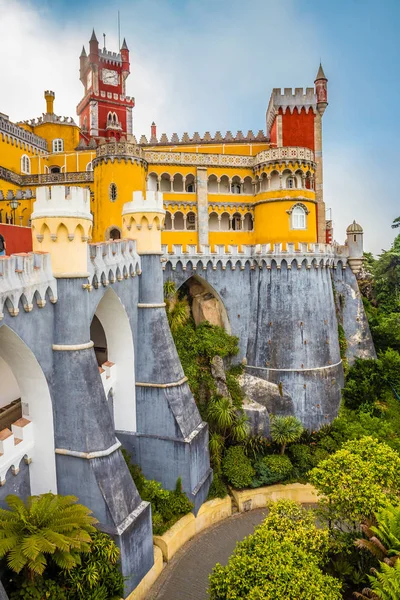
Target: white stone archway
(36, 406)
(120, 354)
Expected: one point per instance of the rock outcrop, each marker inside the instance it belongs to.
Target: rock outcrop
(266, 394)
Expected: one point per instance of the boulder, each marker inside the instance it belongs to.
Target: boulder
(258, 418)
(269, 395)
(219, 376)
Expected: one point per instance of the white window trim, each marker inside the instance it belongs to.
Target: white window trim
(25, 160)
(58, 145)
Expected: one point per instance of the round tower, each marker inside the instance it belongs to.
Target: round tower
(119, 170)
(62, 226)
(321, 90)
(355, 246)
(143, 220)
(49, 97)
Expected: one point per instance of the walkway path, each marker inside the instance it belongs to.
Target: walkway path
(186, 575)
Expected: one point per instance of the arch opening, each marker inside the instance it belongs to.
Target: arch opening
(25, 378)
(111, 333)
(205, 303)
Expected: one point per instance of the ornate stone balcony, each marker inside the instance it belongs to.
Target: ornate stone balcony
(48, 178)
(285, 154)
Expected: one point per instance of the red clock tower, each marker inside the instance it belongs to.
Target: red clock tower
(105, 110)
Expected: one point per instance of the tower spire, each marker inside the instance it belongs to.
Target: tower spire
(83, 53)
(124, 45)
(93, 38)
(320, 74)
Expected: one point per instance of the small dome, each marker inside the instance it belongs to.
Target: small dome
(354, 228)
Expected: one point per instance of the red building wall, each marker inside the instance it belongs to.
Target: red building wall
(18, 239)
(298, 128)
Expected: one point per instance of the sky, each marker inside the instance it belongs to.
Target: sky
(208, 65)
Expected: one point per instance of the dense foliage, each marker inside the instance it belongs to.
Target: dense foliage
(281, 559)
(54, 551)
(272, 469)
(167, 507)
(357, 481)
(237, 468)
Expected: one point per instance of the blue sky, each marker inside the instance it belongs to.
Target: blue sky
(211, 64)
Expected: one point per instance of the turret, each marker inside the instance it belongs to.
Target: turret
(49, 97)
(153, 136)
(83, 60)
(119, 170)
(355, 246)
(321, 90)
(62, 226)
(143, 220)
(93, 49)
(125, 63)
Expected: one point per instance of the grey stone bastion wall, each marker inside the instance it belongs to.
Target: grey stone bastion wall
(282, 309)
(54, 355)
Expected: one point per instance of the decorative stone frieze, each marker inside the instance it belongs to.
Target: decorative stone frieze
(263, 256)
(113, 261)
(26, 277)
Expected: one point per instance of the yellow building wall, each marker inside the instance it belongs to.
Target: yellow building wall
(128, 178)
(51, 131)
(273, 223)
(230, 148)
(11, 153)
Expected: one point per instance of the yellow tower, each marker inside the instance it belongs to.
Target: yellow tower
(143, 220)
(119, 170)
(62, 226)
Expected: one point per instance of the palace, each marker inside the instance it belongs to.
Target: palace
(241, 188)
(95, 221)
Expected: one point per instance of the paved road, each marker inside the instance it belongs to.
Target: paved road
(186, 575)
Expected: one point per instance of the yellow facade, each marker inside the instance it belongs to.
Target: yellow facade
(250, 193)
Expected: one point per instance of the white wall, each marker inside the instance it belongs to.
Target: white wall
(112, 315)
(9, 389)
(35, 394)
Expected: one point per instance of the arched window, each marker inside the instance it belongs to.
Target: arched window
(190, 184)
(236, 222)
(55, 169)
(112, 192)
(168, 221)
(25, 164)
(89, 166)
(235, 188)
(298, 218)
(191, 221)
(58, 145)
(179, 223)
(248, 222)
(291, 182)
(115, 234)
(213, 222)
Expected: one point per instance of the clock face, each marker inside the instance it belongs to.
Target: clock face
(89, 80)
(109, 77)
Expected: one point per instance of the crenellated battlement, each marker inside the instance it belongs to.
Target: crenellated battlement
(121, 148)
(290, 100)
(152, 203)
(25, 279)
(15, 444)
(206, 138)
(61, 201)
(112, 261)
(257, 256)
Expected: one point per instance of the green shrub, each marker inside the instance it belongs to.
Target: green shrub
(301, 456)
(272, 469)
(282, 559)
(167, 507)
(38, 589)
(363, 384)
(237, 467)
(218, 488)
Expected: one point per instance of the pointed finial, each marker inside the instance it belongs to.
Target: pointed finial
(93, 38)
(124, 45)
(320, 74)
(83, 53)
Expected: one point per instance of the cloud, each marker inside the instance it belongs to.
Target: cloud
(200, 66)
